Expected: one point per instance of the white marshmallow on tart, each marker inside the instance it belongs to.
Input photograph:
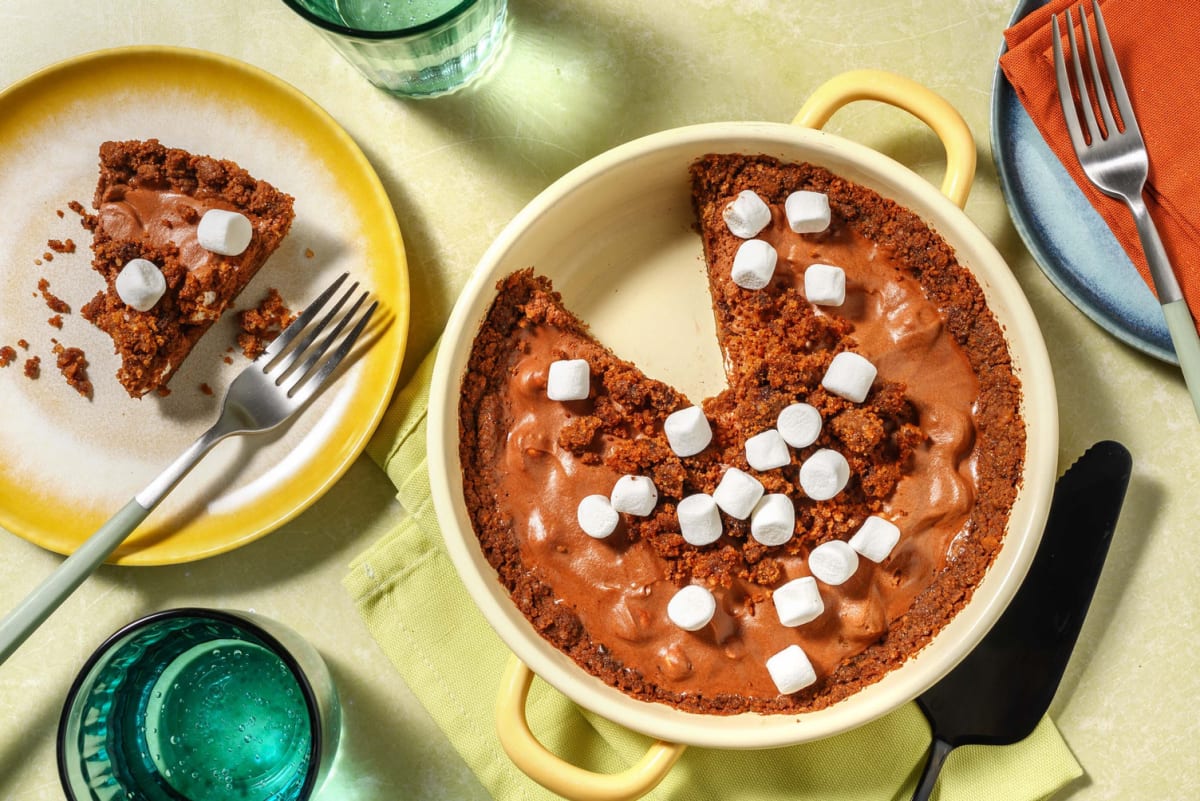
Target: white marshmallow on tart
(634, 495)
(807, 212)
(746, 215)
(688, 431)
(568, 380)
(849, 376)
(699, 520)
(737, 493)
(140, 284)
(225, 232)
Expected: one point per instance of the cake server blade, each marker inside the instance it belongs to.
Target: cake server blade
(1000, 691)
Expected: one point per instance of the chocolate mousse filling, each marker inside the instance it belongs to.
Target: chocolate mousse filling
(936, 448)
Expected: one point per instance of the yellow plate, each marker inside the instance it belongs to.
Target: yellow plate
(67, 463)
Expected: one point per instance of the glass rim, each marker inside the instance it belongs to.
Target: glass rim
(392, 33)
(200, 613)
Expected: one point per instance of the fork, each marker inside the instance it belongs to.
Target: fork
(288, 373)
(1115, 161)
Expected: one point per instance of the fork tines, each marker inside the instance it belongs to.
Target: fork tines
(1084, 96)
(301, 366)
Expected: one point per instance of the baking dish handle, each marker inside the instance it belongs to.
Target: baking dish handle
(556, 775)
(906, 94)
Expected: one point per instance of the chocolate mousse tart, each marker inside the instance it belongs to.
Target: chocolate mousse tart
(782, 544)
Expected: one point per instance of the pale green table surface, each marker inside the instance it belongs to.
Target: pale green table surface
(576, 79)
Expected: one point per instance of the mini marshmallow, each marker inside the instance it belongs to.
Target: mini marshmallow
(754, 264)
(699, 520)
(799, 424)
(773, 520)
(824, 474)
(737, 493)
(746, 215)
(597, 517)
(688, 431)
(825, 284)
(568, 380)
(850, 376)
(791, 670)
(692, 607)
(798, 602)
(634, 495)
(807, 212)
(767, 450)
(141, 284)
(876, 538)
(224, 232)
(833, 562)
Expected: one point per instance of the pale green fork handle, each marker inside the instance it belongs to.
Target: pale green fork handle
(1179, 318)
(1187, 346)
(49, 595)
(58, 586)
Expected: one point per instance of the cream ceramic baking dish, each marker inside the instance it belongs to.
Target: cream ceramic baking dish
(616, 235)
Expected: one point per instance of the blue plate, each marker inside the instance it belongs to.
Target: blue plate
(1068, 238)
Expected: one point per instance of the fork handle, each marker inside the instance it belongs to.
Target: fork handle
(1187, 346)
(1180, 324)
(1166, 286)
(49, 595)
(58, 586)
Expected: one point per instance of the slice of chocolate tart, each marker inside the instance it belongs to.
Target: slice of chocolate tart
(177, 237)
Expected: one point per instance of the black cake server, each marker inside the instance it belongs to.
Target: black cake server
(1000, 691)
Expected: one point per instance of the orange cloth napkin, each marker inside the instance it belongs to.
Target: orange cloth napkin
(1155, 42)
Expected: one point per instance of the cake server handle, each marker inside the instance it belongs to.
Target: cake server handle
(561, 777)
(903, 93)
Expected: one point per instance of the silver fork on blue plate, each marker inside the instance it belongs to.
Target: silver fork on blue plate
(1113, 156)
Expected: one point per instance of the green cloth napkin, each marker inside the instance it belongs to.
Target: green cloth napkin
(412, 601)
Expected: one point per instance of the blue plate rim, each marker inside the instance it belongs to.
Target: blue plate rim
(1061, 273)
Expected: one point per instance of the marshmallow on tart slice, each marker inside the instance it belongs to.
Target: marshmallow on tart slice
(225, 232)
(140, 284)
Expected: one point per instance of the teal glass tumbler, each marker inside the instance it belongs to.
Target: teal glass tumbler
(411, 48)
(199, 705)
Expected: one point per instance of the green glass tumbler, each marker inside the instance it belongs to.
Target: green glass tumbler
(199, 705)
(412, 48)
